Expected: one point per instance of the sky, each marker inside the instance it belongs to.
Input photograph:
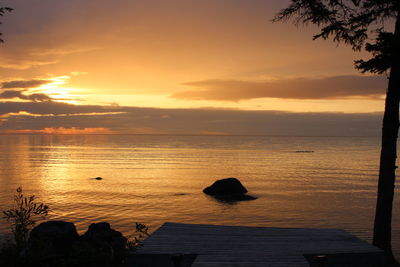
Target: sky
(177, 67)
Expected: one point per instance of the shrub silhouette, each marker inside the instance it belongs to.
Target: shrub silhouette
(22, 216)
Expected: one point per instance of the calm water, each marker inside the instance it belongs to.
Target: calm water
(154, 179)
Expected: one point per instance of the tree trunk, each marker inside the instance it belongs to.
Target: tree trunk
(387, 170)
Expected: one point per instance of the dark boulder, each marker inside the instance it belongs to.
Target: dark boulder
(227, 186)
(55, 242)
(52, 237)
(101, 235)
(228, 189)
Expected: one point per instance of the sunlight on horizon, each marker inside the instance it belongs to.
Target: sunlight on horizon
(288, 105)
(156, 66)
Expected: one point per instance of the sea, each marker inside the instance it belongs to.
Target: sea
(316, 182)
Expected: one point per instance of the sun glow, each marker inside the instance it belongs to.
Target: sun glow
(57, 92)
(61, 130)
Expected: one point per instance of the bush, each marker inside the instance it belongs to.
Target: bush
(16, 253)
(22, 216)
(135, 241)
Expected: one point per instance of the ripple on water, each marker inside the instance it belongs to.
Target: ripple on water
(154, 179)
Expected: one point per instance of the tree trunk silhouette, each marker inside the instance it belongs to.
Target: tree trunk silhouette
(387, 170)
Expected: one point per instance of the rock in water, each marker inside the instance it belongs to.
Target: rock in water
(228, 189)
(227, 186)
(52, 237)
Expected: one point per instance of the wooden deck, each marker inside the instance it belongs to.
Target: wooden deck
(254, 246)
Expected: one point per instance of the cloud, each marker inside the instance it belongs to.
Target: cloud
(38, 58)
(33, 89)
(37, 97)
(55, 108)
(19, 89)
(61, 130)
(63, 51)
(6, 116)
(22, 64)
(23, 84)
(38, 116)
(334, 87)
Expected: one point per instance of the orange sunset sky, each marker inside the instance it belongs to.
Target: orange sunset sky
(177, 67)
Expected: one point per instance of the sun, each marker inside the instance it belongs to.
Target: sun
(56, 90)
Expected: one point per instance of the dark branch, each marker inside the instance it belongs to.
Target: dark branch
(3, 11)
(382, 51)
(351, 22)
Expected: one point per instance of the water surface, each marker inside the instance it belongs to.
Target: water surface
(154, 179)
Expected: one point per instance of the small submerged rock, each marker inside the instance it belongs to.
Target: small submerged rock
(228, 189)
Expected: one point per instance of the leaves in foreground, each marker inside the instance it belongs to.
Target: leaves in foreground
(22, 216)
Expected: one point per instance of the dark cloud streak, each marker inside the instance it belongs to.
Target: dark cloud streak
(335, 87)
(10, 94)
(187, 121)
(23, 84)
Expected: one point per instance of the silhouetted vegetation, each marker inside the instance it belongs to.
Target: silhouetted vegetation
(354, 22)
(135, 241)
(22, 216)
(47, 246)
(3, 11)
(22, 219)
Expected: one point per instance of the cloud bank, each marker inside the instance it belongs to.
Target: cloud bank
(19, 89)
(334, 87)
(37, 97)
(41, 117)
(23, 110)
(23, 84)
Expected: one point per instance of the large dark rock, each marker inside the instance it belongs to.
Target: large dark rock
(227, 186)
(55, 242)
(101, 235)
(228, 189)
(52, 237)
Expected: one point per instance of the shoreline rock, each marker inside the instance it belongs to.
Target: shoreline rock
(52, 237)
(102, 235)
(54, 241)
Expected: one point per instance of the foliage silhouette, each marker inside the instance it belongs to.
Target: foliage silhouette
(3, 11)
(135, 241)
(355, 22)
(18, 253)
(22, 216)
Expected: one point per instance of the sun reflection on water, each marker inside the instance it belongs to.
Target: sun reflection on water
(153, 179)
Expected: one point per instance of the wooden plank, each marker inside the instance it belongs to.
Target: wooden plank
(251, 246)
